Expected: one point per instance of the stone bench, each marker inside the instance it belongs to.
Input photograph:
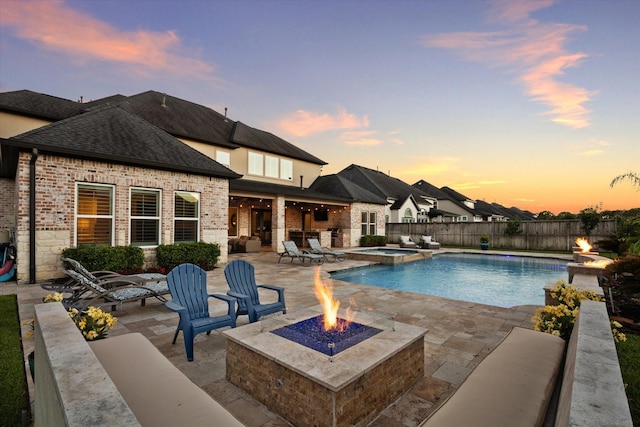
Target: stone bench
(515, 385)
(123, 380)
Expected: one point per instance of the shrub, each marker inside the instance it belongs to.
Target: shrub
(373, 240)
(110, 258)
(201, 254)
(559, 319)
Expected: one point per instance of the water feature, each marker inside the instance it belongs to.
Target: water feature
(499, 280)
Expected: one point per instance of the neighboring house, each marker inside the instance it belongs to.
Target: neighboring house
(208, 178)
(436, 214)
(404, 202)
(460, 205)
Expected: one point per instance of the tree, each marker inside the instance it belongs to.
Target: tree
(566, 215)
(545, 215)
(631, 176)
(590, 218)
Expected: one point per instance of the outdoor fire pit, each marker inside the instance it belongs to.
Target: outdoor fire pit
(313, 376)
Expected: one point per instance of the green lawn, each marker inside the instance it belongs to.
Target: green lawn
(13, 380)
(629, 355)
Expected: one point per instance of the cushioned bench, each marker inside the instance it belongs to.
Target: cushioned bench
(512, 386)
(155, 390)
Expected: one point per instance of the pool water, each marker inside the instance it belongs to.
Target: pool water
(499, 280)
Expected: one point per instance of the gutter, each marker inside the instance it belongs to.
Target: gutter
(32, 216)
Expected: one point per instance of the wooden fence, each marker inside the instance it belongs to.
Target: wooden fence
(557, 235)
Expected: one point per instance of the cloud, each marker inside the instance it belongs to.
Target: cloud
(591, 153)
(430, 166)
(524, 200)
(360, 138)
(56, 27)
(304, 123)
(496, 182)
(533, 50)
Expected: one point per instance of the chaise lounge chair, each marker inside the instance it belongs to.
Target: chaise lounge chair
(188, 285)
(406, 242)
(427, 242)
(113, 291)
(291, 250)
(316, 248)
(240, 277)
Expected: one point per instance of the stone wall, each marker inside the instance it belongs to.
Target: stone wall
(56, 179)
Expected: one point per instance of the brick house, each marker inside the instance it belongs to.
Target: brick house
(154, 169)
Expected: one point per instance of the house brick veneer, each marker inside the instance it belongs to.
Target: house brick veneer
(305, 402)
(55, 195)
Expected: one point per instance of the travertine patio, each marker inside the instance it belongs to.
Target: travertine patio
(460, 335)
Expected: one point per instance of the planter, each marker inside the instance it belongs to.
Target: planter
(484, 246)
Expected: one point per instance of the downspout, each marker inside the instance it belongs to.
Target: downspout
(32, 216)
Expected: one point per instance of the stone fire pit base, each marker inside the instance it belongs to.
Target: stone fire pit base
(308, 388)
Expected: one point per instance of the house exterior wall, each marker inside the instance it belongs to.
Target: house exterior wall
(8, 204)
(239, 163)
(354, 232)
(13, 124)
(56, 179)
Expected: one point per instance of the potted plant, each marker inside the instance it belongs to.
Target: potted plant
(484, 242)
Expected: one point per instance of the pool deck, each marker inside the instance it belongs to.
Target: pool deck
(460, 334)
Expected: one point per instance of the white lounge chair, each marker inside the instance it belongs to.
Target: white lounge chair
(406, 242)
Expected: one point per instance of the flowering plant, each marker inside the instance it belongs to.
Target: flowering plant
(617, 335)
(93, 322)
(56, 297)
(559, 319)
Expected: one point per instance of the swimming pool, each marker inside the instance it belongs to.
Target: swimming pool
(499, 280)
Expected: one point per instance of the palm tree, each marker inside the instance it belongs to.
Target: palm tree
(631, 176)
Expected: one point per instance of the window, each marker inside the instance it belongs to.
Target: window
(368, 225)
(186, 217)
(408, 215)
(145, 217)
(94, 214)
(271, 166)
(256, 163)
(286, 169)
(223, 158)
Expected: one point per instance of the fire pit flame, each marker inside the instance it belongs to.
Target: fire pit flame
(583, 244)
(324, 293)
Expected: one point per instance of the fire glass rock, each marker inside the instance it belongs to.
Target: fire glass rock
(310, 333)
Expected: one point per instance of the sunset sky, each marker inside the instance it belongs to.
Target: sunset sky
(534, 104)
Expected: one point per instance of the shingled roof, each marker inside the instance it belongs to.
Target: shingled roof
(379, 183)
(292, 192)
(39, 105)
(339, 186)
(180, 118)
(109, 133)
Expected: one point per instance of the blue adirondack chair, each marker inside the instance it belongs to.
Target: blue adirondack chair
(188, 287)
(241, 279)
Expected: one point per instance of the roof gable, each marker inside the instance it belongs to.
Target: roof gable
(112, 134)
(378, 182)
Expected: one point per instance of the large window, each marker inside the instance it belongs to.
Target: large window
(368, 225)
(256, 163)
(271, 166)
(94, 214)
(145, 217)
(186, 217)
(408, 215)
(223, 158)
(286, 169)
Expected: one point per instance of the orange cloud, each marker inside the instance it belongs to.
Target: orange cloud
(56, 27)
(304, 123)
(534, 51)
(360, 138)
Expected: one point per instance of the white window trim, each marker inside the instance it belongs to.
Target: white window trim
(226, 161)
(159, 217)
(271, 166)
(255, 161)
(197, 217)
(286, 169)
(76, 216)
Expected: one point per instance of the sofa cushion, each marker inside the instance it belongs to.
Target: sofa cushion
(512, 386)
(155, 390)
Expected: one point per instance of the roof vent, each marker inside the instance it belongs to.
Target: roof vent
(225, 115)
(164, 100)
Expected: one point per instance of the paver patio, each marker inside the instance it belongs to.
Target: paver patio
(460, 334)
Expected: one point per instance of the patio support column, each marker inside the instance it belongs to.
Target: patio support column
(278, 223)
